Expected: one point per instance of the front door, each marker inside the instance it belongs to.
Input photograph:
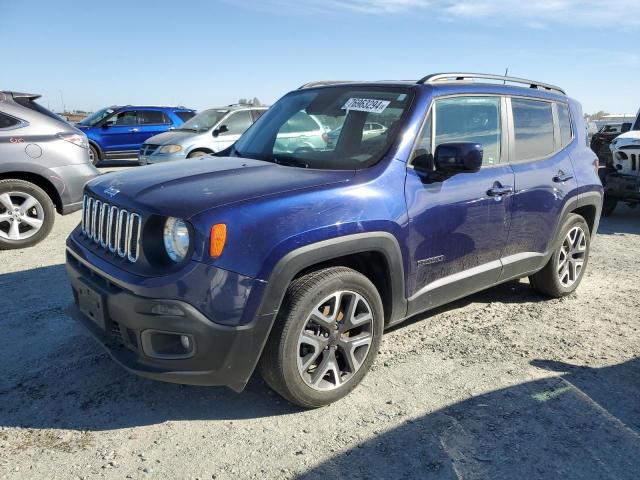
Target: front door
(458, 227)
(120, 132)
(236, 123)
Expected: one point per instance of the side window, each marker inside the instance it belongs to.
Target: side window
(128, 117)
(7, 122)
(533, 129)
(153, 117)
(470, 119)
(237, 123)
(564, 118)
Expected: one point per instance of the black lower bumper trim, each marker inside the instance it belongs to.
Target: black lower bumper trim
(224, 355)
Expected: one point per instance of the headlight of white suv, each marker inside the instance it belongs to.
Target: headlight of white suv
(176, 239)
(170, 149)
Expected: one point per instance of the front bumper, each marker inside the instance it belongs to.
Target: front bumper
(626, 187)
(221, 354)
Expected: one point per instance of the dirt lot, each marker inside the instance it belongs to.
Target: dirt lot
(503, 385)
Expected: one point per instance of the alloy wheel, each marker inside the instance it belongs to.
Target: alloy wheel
(335, 340)
(21, 215)
(572, 256)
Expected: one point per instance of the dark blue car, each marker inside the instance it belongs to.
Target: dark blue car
(118, 132)
(296, 262)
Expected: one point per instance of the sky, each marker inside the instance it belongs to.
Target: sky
(89, 54)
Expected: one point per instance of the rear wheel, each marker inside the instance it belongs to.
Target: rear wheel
(565, 269)
(26, 214)
(325, 337)
(93, 155)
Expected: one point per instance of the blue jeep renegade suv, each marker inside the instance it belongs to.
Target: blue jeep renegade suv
(119, 132)
(295, 261)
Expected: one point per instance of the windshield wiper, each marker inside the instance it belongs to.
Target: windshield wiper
(187, 129)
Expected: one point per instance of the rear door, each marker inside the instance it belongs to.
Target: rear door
(458, 226)
(544, 180)
(152, 122)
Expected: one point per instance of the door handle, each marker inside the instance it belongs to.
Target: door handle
(499, 191)
(133, 130)
(562, 177)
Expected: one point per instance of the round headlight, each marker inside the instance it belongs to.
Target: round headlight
(170, 149)
(176, 239)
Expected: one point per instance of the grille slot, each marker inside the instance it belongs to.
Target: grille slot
(112, 228)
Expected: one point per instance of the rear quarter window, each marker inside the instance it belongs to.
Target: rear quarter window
(564, 118)
(533, 129)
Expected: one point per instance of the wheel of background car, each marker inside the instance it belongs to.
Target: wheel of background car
(565, 269)
(26, 214)
(325, 337)
(608, 205)
(197, 153)
(93, 155)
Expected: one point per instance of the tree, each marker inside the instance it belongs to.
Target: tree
(252, 103)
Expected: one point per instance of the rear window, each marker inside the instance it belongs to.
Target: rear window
(533, 128)
(7, 121)
(184, 116)
(153, 117)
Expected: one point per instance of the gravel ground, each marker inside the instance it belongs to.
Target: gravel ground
(505, 384)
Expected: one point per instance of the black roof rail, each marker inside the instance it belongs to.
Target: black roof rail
(321, 83)
(443, 77)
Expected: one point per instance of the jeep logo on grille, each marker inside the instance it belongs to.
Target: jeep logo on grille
(111, 191)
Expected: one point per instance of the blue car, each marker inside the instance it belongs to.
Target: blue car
(295, 263)
(118, 132)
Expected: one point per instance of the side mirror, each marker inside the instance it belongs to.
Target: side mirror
(452, 158)
(104, 125)
(626, 126)
(220, 130)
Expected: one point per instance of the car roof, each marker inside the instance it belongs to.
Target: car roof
(445, 83)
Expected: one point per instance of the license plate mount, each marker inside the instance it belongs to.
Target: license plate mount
(91, 304)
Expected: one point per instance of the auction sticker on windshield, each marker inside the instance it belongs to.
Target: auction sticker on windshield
(366, 105)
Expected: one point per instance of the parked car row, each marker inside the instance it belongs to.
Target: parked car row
(621, 173)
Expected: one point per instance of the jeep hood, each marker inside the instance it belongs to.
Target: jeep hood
(188, 187)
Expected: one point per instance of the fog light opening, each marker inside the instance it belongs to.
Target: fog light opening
(167, 345)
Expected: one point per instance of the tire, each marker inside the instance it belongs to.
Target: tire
(609, 205)
(198, 153)
(34, 224)
(94, 156)
(565, 269)
(282, 364)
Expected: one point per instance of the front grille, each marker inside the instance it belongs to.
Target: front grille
(148, 148)
(112, 228)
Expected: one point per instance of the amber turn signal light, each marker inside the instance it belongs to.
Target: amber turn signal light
(218, 238)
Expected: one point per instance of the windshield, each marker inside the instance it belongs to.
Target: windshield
(204, 120)
(97, 117)
(341, 128)
(636, 125)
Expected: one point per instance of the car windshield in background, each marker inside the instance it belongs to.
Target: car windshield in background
(204, 120)
(97, 117)
(341, 128)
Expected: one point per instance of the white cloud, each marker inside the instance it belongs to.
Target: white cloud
(607, 14)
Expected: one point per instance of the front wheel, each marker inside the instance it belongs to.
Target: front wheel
(565, 269)
(325, 337)
(93, 155)
(26, 214)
